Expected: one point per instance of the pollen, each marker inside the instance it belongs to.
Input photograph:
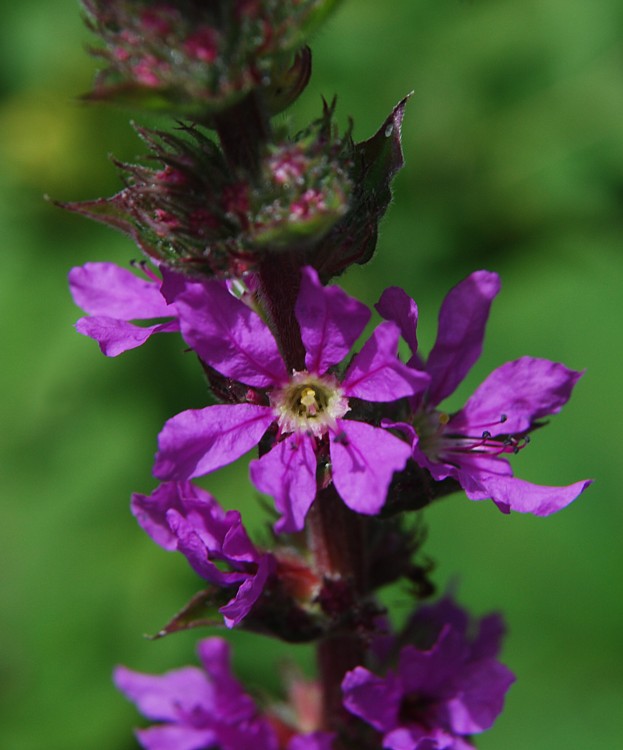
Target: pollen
(309, 403)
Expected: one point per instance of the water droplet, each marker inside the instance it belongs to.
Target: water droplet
(389, 130)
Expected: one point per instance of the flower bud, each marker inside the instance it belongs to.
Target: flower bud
(195, 59)
(196, 213)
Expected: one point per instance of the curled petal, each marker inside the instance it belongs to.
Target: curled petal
(117, 336)
(288, 474)
(376, 374)
(330, 321)
(462, 320)
(364, 459)
(229, 336)
(523, 390)
(396, 305)
(107, 289)
(200, 555)
(199, 441)
(249, 592)
(150, 510)
(510, 493)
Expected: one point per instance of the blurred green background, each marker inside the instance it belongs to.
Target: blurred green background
(514, 162)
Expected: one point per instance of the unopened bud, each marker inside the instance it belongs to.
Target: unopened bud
(195, 59)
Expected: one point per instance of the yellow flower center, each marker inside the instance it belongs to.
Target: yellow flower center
(309, 403)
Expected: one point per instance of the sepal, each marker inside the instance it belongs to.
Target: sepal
(376, 163)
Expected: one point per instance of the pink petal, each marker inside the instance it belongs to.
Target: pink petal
(462, 320)
(231, 703)
(522, 391)
(199, 553)
(229, 336)
(199, 441)
(330, 321)
(374, 699)
(150, 510)
(176, 737)
(163, 697)
(248, 593)
(364, 459)
(395, 304)
(117, 336)
(107, 289)
(288, 474)
(481, 700)
(510, 493)
(376, 374)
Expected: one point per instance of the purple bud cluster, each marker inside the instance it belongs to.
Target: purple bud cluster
(243, 234)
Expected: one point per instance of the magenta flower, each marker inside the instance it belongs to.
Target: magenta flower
(197, 709)
(307, 409)
(207, 709)
(113, 296)
(471, 445)
(181, 516)
(446, 687)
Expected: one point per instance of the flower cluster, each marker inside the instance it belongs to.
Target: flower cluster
(308, 420)
(199, 58)
(208, 708)
(243, 234)
(448, 685)
(196, 212)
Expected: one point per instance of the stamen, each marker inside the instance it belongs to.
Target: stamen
(485, 444)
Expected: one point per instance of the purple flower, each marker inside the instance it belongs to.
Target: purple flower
(208, 709)
(471, 444)
(446, 687)
(307, 408)
(113, 296)
(197, 709)
(181, 516)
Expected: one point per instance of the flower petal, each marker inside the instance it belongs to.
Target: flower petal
(199, 554)
(481, 700)
(364, 459)
(176, 737)
(416, 737)
(165, 697)
(249, 592)
(462, 320)
(376, 373)
(199, 441)
(313, 741)
(330, 321)
(288, 474)
(510, 493)
(228, 335)
(150, 510)
(108, 289)
(396, 305)
(231, 702)
(374, 699)
(117, 336)
(515, 395)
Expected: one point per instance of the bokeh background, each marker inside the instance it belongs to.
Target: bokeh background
(514, 162)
